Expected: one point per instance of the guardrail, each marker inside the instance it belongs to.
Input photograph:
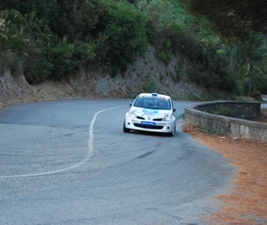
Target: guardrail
(201, 115)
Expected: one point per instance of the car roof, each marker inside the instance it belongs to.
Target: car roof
(156, 95)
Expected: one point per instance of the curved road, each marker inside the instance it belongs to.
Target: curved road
(69, 162)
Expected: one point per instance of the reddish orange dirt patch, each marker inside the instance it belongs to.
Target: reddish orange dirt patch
(246, 204)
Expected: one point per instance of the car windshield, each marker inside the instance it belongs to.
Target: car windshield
(153, 103)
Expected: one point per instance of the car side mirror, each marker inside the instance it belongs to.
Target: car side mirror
(174, 109)
(130, 105)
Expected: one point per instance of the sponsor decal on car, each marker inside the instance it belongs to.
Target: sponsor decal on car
(150, 111)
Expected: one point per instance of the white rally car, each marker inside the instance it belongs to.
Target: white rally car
(151, 112)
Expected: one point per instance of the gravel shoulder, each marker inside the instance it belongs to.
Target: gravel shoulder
(246, 203)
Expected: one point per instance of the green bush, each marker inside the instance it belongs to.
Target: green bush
(16, 47)
(126, 32)
(91, 34)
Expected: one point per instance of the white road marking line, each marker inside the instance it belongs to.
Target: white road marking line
(86, 159)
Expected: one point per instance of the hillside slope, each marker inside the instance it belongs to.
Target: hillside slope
(147, 74)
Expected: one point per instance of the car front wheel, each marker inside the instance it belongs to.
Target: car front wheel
(173, 132)
(125, 129)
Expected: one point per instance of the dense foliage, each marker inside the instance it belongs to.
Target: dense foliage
(57, 39)
(72, 36)
(242, 24)
(233, 20)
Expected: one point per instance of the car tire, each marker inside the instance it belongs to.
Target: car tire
(171, 134)
(125, 129)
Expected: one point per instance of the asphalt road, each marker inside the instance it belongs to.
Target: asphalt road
(69, 162)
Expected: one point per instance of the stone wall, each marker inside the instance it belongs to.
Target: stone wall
(236, 109)
(200, 116)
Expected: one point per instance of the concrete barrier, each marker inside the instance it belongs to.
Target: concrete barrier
(201, 115)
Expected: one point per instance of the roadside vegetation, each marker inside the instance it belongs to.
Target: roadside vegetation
(58, 40)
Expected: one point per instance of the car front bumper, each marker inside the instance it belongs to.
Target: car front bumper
(151, 126)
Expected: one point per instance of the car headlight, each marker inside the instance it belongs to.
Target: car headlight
(167, 118)
(132, 114)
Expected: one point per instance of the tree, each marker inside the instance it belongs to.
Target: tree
(233, 20)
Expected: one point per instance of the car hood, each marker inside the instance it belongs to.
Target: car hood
(144, 112)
